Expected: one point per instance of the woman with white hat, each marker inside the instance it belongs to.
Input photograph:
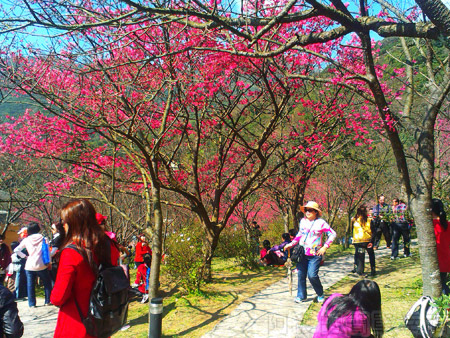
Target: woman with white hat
(311, 230)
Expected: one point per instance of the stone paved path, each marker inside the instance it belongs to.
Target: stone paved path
(273, 312)
(39, 321)
(270, 313)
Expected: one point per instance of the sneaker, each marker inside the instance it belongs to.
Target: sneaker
(144, 299)
(299, 300)
(320, 299)
(394, 258)
(373, 273)
(406, 256)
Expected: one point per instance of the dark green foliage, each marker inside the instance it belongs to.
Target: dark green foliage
(233, 244)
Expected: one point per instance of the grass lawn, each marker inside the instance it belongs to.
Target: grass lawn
(195, 315)
(401, 285)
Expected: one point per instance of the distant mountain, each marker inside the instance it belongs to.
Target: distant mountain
(15, 106)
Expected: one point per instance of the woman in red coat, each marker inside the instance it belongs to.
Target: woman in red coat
(141, 249)
(75, 277)
(442, 233)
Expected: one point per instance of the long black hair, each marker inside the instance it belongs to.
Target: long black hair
(361, 212)
(364, 295)
(437, 207)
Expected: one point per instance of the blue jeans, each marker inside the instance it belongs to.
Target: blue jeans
(21, 284)
(309, 266)
(31, 281)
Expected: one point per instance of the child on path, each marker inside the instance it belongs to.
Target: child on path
(143, 277)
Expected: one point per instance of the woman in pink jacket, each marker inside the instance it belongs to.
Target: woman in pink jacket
(310, 234)
(34, 267)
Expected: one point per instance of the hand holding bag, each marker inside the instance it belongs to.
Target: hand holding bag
(298, 253)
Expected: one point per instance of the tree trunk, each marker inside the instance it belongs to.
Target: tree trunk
(347, 231)
(209, 246)
(286, 220)
(419, 196)
(156, 240)
(420, 208)
(299, 196)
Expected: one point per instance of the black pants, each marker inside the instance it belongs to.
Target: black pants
(382, 227)
(272, 258)
(360, 255)
(444, 280)
(401, 229)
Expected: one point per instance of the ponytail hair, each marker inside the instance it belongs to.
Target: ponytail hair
(361, 213)
(437, 207)
(364, 295)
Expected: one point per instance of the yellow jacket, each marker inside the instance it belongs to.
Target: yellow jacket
(362, 233)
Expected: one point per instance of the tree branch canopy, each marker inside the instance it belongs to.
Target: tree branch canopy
(252, 26)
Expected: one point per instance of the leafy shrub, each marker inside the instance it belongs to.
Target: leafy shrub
(273, 233)
(184, 259)
(233, 244)
(442, 304)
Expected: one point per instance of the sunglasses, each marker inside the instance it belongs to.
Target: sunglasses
(310, 210)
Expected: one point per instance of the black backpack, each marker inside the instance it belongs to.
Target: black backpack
(423, 319)
(108, 303)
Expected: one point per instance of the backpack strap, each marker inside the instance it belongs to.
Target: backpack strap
(423, 317)
(412, 309)
(74, 247)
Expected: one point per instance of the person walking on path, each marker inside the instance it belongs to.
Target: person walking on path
(75, 278)
(442, 233)
(357, 314)
(34, 266)
(142, 248)
(311, 230)
(5, 259)
(400, 226)
(363, 238)
(380, 213)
